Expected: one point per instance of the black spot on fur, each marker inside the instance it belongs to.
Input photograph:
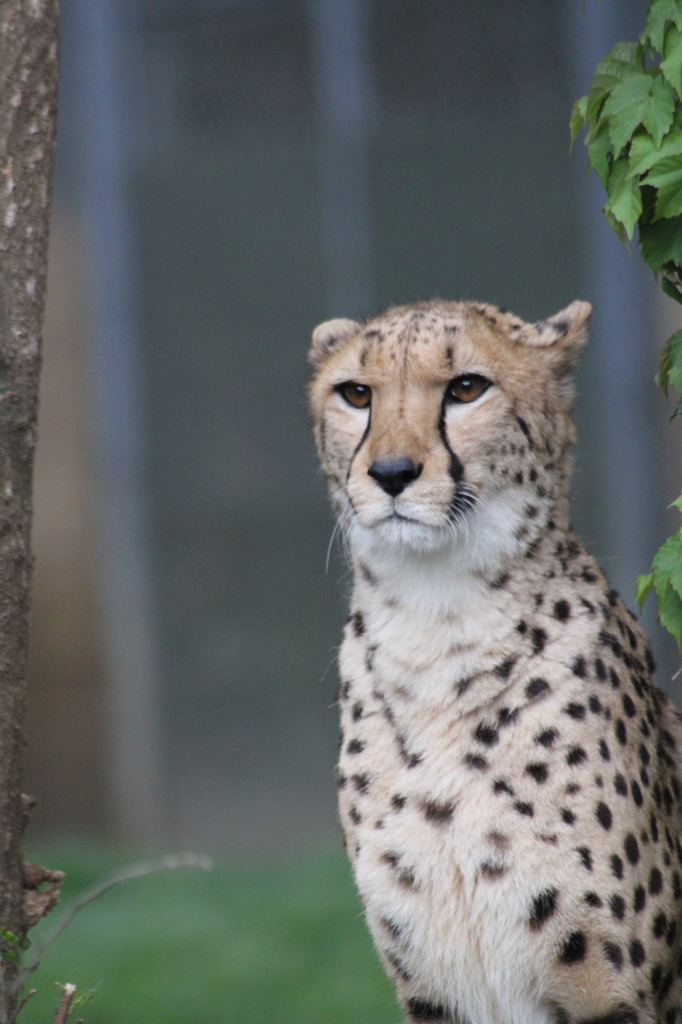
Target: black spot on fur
(655, 881)
(575, 755)
(631, 848)
(621, 732)
(355, 747)
(538, 771)
(575, 710)
(438, 812)
(637, 954)
(573, 948)
(592, 899)
(492, 868)
(399, 967)
(357, 623)
(547, 737)
(502, 786)
(420, 1009)
(604, 750)
(538, 639)
(579, 668)
(536, 687)
(361, 782)
(614, 954)
(616, 866)
(639, 899)
(620, 785)
(542, 908)
(617, 906)
(603, 814)
(586, 856)
(486, 734)
(524, 808)
(567, 816)
(623, 1014)
(660, 925)
(628, 705)
(525, 430)
(562, 610)
(503, 670)
(476, 761)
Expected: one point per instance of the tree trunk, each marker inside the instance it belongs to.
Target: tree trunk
(28, 89)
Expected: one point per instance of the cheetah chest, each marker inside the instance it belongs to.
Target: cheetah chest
(444, 888)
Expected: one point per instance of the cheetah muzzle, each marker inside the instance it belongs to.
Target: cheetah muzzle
(508, 775)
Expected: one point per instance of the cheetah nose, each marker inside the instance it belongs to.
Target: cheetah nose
(393, 475)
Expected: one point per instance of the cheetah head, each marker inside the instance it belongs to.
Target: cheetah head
(439, 421)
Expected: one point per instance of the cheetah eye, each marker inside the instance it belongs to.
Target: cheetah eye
(466, 388)
(357, 395)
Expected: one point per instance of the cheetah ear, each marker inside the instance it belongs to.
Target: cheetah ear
(569, 327)
(328, 336)
(561, 338)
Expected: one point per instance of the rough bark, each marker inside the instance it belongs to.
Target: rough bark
(28, 89)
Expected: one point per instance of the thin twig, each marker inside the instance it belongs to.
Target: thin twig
(129, 874)
(68, 992)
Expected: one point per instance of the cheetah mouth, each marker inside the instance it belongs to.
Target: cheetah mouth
(399, 529)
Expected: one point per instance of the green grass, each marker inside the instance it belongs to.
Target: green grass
(263, 944)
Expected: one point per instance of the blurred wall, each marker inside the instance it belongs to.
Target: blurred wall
(230, 173)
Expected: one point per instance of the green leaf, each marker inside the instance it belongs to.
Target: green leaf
(617, 66)
(660, 13)
(641, 100)
(672, 290)
(670, 612)
(670, 364)
(677, 410)
(625, 198)
(666, 177)
(661, 243)
(598, 153)
(667, 563)
(671, 67)
(674, 377)
(643, 587)
(578, 117)
(644, 152)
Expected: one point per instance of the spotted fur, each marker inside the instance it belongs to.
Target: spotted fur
(509, 788)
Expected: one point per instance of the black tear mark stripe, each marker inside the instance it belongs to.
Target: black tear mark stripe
(456, 467)
(359, 445)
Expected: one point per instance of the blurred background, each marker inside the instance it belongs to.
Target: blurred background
(230, 173)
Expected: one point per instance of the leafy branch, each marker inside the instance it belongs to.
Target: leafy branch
(633, 120)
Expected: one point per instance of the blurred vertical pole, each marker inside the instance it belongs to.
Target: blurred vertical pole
(626, 451)
(106, 116)
(344, 97)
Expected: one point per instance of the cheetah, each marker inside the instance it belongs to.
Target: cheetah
(508, 773)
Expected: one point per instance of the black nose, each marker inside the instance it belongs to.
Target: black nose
(394, 474)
